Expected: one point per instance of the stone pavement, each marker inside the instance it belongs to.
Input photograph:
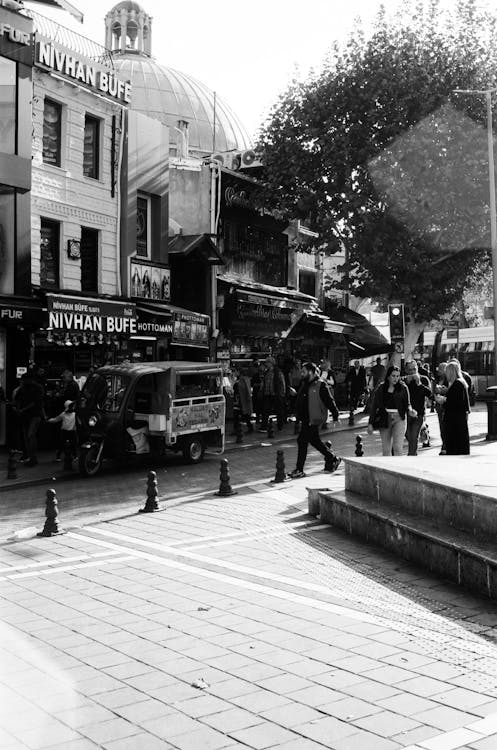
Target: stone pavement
(238, 622)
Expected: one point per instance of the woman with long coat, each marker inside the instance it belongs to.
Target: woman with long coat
(455, 412)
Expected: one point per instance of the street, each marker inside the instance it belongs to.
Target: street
(233, 622)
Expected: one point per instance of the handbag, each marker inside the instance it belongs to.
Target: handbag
(380, 419)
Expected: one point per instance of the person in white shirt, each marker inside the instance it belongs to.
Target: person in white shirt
(68, 432)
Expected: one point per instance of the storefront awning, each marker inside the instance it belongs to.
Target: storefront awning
(62, 5)
(366, 340)
(185, 245)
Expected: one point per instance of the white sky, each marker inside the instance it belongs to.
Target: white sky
(246, 51)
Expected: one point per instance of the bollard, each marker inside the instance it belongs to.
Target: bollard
(67, 456)
(270, 428)
(238, 428)
(151, 504)
(51, 527)
(358, 446)
(12, 465)
(280, 475)
(225, 488)
(351, 418)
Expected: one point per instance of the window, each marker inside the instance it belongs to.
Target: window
(143, 227)
(89, 260)
(116, 388)
(307, 282)
(49, 254)
(8, 106)
(52, 132)
(91, 148)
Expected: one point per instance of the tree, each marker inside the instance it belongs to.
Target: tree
(379, 155)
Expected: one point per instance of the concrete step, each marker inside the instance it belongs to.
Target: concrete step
(413, 485)
(448, 552)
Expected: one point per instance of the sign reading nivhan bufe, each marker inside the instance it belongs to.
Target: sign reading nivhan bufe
(90, 315)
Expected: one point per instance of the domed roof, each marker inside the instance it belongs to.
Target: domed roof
(168, 95)
(127, 5)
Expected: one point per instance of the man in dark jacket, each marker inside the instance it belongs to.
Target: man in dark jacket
(419, 390)
(273, 394)
(356, 381)
(314, 401)
(29, 404)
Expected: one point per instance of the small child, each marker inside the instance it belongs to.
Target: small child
(68, 432)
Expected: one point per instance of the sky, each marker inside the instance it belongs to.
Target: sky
(247, 51)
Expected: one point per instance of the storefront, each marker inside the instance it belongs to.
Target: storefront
(167, 332)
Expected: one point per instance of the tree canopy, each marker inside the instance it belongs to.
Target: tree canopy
(377, 153)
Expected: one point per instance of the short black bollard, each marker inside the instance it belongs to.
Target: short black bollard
(280, 475)
(358, 446)
(225, 488)
(151, 504)
(351, 418)
(12, 465)
(238, 428)
(67, 456)
(51, 527)
(270, 428)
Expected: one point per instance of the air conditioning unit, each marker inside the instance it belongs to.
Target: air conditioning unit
(249, 159)
(221, 158)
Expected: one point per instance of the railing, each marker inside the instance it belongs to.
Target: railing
(77, 43)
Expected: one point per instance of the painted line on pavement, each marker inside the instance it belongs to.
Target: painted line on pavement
(76, 566)
(337, 609)
(462, 737)
(54, 561)
(294, 529)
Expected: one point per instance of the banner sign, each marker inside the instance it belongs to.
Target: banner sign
(90, 315)
(150, 281)
(18, 315)
(190, 329)
(16, 38)
(207, 416)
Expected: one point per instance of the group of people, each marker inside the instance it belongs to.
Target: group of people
(399, 404)
(34, 402)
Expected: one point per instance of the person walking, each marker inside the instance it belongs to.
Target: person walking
(356, 381)
(456, 408)
(377, 374)
(440, 389)
(68, 432)
(391, 404)
(242, 404)
(419, 391)
(273, 394)
(314, 401)
(29, 403)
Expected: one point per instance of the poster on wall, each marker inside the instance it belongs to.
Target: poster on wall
(198, 417)
(150, 281)
(191, 328)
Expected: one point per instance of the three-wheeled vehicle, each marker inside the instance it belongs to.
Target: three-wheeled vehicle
(149, 407)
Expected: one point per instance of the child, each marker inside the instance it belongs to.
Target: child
(68, 432)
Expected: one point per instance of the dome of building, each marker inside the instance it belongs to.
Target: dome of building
(166, 94)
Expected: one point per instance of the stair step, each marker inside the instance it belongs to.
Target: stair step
(451, 553)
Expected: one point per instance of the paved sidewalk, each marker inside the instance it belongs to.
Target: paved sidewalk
(238, 622)
(48, 468)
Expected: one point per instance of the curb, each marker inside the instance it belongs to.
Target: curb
(230, 448)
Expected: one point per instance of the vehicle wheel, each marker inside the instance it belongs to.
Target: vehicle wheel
(89, 463)
(193, 450)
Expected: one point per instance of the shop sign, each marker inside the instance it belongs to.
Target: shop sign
(162, 328)
(14, 35)
(190, 328)
(197, 417)
(61, 61)
(264, 310)
(12, 315)
(150, 281)
(16, 39)
(90, 316)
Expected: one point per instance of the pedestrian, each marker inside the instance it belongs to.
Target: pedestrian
(95, 389)
(356, 382)
(273, 394)
(469, 382)
(242, 390)
(456, 409)
(377, 374)
(440, 389)
(391, 404)
(70, 388)
(29, 404)
(419, 391)
(314, 401)
(68, 432)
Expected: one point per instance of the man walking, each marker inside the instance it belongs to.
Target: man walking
(377, 376)
(314, 400)
(356, 380)
(273, 394)
(419, 390)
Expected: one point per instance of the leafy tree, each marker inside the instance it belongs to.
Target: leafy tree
(380, 156)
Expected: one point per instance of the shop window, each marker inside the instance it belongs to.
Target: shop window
(8, 106)
(196, 384)
(52, 133)
(91, 148)
(143, 226)
(307, 282)
(7, 239)
(49, 254)
(89, 260)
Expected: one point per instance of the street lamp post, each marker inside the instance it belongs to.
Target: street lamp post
(493, 216)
